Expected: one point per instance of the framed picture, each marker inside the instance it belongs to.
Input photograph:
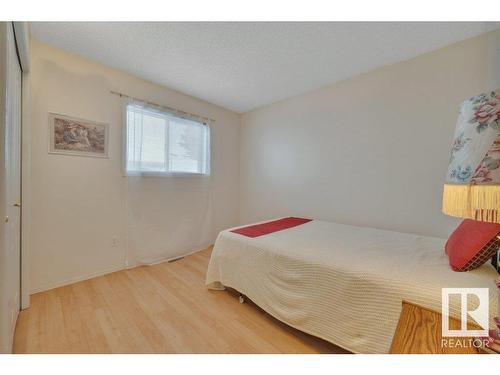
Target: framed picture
(74, 136)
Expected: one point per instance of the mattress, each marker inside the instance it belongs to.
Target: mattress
(342, 283)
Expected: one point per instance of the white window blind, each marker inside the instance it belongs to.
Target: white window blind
(160, 143)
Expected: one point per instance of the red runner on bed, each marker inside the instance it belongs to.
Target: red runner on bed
(271, 226)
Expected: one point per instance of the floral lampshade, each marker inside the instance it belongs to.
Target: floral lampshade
(472, 188)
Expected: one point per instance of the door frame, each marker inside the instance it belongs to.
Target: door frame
(22, 40)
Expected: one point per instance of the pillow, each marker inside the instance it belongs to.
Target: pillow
(472, 244)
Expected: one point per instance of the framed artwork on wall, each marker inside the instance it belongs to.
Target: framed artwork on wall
(74, 136)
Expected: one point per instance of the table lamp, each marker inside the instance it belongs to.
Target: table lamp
(472, 188)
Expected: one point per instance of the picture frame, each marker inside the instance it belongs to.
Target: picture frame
(77, 137)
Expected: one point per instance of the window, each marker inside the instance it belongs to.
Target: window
(160, 143)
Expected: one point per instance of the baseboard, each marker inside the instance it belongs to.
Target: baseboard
(73, 280)
(169, 259)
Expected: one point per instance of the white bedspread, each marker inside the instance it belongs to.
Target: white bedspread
(342, 283)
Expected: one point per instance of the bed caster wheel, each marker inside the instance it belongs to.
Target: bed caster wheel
(241, 298)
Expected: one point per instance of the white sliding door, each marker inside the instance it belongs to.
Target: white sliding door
(10, 205)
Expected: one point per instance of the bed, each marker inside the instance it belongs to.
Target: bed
(342, 283)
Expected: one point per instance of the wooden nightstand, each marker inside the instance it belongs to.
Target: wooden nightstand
(419, 332)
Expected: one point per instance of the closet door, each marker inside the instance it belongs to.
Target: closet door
(10, 251)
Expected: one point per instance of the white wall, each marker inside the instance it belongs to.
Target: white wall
(80, 203)
(371, 151)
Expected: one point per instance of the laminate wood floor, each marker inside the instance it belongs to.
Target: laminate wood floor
(164, 308)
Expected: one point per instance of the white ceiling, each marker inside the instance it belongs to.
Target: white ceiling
(242, 66)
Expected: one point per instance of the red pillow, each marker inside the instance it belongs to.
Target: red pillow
(472, 244)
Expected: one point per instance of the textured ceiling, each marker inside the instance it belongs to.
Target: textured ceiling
(242, 66)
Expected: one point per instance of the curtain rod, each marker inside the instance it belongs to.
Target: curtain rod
(169, 109)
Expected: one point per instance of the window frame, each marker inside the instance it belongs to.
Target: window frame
(127, 173)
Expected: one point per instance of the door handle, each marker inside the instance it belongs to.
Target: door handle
(17, 204)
